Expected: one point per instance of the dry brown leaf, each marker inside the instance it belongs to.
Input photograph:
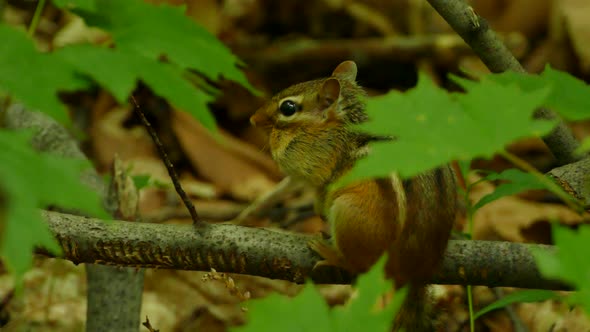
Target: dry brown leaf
(109, 137)
(560, 53)
(214, 161)
(552, 316)
(75, 31)
(54, 298)
(508, 218)
(526, 16)
(576, 17)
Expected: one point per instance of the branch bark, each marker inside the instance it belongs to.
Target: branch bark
(574, 179)
(269, 253)
(485, 43)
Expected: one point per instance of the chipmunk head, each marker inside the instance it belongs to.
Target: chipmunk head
(308, 125)
(336, 98)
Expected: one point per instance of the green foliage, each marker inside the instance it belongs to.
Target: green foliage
(524, 296)
(519, 181)
(569, 262)
(439, 126)
(152, 31)
(309, 312)
(35, 78)
(118, 71)
(565, 91)
(141, 181)
(585, 146)
(143, 34)
(30, 181)
(89, 5)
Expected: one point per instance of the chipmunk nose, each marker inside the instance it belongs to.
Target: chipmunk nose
(257, 119)
(260, 119)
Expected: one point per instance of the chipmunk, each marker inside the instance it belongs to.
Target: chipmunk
(312, 138)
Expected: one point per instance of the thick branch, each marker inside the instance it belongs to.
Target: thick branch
(400, 48)
(268, 253)
(485, 43)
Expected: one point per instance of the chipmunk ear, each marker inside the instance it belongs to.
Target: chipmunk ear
(329, 92)
(346, 70)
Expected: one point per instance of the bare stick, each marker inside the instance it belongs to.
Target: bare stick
(477, 33)
(187, 202)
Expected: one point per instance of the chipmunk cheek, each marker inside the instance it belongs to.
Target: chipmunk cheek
(260, 119)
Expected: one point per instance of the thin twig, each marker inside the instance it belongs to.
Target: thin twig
(36, 17)
(485, 43)
(187, 202)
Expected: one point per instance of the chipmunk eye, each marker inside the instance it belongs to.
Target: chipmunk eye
(288, 108)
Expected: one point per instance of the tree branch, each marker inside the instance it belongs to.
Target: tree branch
(269, 253)
(574, 179)
(477, 33)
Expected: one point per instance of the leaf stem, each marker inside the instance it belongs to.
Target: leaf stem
(470, 304)
(36, 17)
(570, 201)
(470, 213)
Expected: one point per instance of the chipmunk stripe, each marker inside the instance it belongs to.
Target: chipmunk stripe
(400, 195)
(439, 178)
(297, 99)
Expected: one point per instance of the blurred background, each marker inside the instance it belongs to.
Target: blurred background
(281, 43)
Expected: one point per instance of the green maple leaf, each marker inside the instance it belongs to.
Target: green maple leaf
(119, 71)
(163, 30)
(569, 262)
(433, 127)
(309, 312)
(30, 181)
(35, 78)
(566, 96)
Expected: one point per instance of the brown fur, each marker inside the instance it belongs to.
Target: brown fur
(318, 146)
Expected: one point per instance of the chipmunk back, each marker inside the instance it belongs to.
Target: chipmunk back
(312, 139)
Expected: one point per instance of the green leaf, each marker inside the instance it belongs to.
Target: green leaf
(141, 181)
(433, 127)
(30, 181)
(584, 146)
(305, 312)
(524, 296)
(309, 312)
(519, 181)
(569, 262)
(76, 4)
(565, 95)
(35, 78)
(153, 31)
(118, 72)
(360, 313)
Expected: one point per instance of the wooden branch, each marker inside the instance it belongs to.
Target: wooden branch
(270, 253)
(574, 179)
(439, 48)
(477, 33)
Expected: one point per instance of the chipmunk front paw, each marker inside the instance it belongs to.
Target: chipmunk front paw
(330, 255)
